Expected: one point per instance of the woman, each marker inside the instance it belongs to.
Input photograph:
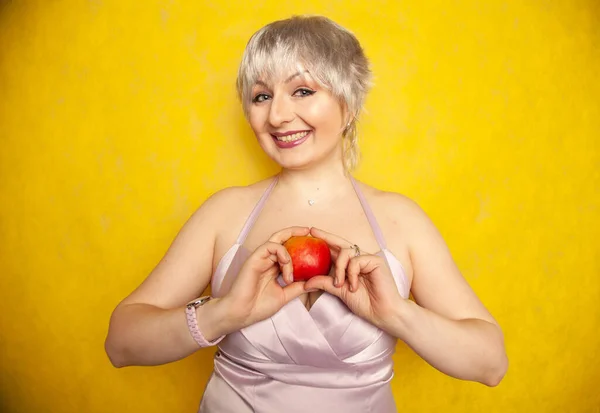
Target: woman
(326, 343)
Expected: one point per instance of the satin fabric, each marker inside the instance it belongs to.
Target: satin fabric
(302, 360)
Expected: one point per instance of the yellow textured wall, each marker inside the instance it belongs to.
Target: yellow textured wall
(118, 118)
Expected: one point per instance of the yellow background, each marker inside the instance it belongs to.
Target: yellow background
(118, 118)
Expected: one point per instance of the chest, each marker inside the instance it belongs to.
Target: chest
(345, 220)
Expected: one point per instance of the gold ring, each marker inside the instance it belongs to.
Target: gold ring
(356, 249)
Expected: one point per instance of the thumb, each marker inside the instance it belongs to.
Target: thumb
(293, 291)
(325, 283)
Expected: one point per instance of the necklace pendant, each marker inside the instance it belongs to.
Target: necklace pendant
(311, 202)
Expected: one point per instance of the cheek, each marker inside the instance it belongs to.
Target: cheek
(256, 120)
(325, 115)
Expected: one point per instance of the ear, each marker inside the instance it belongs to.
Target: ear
(347, 117)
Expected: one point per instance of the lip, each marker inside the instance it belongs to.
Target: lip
(282, 134)
(287, 145)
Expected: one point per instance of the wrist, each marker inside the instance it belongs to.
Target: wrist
(212, 319)
(398, 319)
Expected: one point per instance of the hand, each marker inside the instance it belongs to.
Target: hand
(256, 294)
(363, 282)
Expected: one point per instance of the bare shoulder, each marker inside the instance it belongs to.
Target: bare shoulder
(220, 204)
(437, 283)
(186, 267)
(406, 224)
(228, 209)
(395, 209)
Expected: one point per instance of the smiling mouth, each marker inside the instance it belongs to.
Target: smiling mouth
(293, 137)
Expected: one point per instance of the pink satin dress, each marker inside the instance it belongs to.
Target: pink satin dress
(325, 359)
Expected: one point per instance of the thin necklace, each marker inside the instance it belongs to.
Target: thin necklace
(312, 201)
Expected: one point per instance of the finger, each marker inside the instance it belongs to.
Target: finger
(363, 264)
(335, 252)
(353, 272)
(287, 271)
(282, 236)
(272, 273)
(271, 253)
(335, 242)
(331, 239)
(284, 260)
(293, 290)
(324, 283)
(341, 264)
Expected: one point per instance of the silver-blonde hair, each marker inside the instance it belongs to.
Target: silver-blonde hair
(332, 55)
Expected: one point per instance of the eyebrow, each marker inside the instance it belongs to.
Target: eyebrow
(288, 80)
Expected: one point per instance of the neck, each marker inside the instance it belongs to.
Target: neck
(317, 183)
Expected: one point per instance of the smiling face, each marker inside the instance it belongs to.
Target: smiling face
(297, 114)
(297, 122)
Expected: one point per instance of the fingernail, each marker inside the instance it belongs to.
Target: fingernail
(312, 290)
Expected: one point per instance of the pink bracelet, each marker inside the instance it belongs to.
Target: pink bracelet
(192, 322)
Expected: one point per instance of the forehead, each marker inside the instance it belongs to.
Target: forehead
(276, 66)
(283, 77)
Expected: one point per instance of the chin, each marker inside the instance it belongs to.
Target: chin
(293, 163)
(301, 157)
(290, 160)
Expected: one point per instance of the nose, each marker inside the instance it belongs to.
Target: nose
(281, 111)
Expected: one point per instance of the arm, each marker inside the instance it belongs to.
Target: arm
(149, 326)
(447, 326)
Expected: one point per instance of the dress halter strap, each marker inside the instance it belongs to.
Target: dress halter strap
(261, 203)
(370, 216)
(256, 212)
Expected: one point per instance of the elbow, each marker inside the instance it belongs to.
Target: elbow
(114, 345)
(114, 353)
(498, 362)
(497, 372)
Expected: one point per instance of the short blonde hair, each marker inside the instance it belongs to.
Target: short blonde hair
(331, 53)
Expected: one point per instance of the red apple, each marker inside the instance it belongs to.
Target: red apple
(310, 257)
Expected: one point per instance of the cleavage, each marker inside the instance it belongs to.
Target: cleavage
(309, 299)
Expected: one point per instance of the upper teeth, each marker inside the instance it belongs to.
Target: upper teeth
(293, 137)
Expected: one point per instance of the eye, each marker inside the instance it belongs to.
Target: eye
(303, 92)
(261, 97)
